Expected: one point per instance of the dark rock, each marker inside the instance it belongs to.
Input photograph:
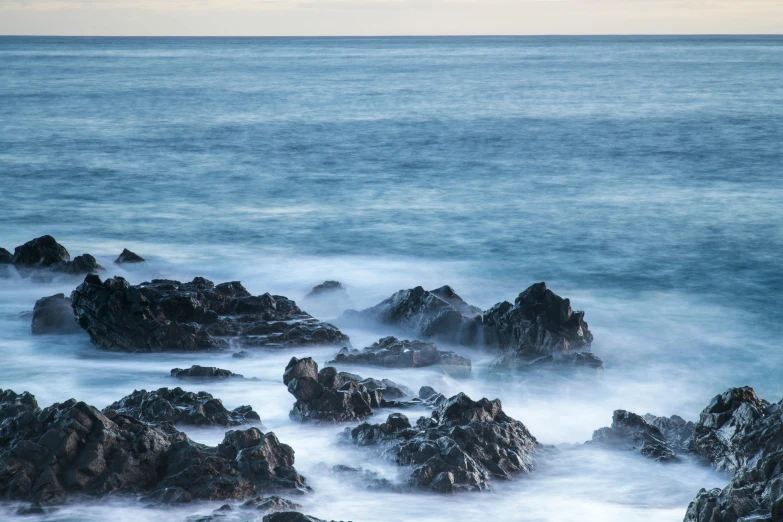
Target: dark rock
(740, 433)
(329, 299)
(463, 446)
(326, 287)
(393, 353)
(169, 315)
(290, 516)
(631, 432)
(272, 504)
(425, 392)
(176, 406)
(54, 315)
(128, 257)
(540, 328)
(33, 509)
(6, 258)
(40, 252)
(83, 264)
(71, 448)
(676, 430)
(203, 372)
(242, 354)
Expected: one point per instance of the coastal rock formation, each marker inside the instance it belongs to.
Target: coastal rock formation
(329, 299)
(676, 430)
(260, 506)
(203, 372)
(327, 287)
(631, 432)
(71, 448)
(464, 445)
(539, 329)
(169, 315)
(54, 315)
(126, 256)
(742, 434)
(391, 352)
(177, 406)
(46, 252)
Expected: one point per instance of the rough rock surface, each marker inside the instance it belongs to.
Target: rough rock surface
(203, 372)
(540, 328)
(6, 257)
(391, 352)
(54, 315)
(740, 433)
(260, 506)
(464, 445)
(169, 315)
(676, 430)
(329, 396)
(126, 256)
(71, 448)
(177, 406)
(46, 252)
(631, 432)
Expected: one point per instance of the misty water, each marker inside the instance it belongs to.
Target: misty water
(640, 177)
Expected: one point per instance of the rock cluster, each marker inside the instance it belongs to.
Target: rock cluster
(169, 315)
(631, 432)
(54, 315)
(46, 253)
(464, 445)
(391, 352)
(177, 406)
(539, 329)
(126, 256)
(203, 372)
(71, 448)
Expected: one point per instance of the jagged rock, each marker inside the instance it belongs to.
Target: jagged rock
(54, 315)
(272, 504)
(329, 299)
(40, 252)
(169, 315)
(83, 264)
(71, 448)
(462, 446)
(539, 329)
(631, 432)
(740, 433)
(676, 430)
(203, 372)
(177, 406)
(6, 258)
(128, 257)
(393, 353)
(327, 287)
(366, 478)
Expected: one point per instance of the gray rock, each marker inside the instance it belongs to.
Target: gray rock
(44, 251)
(203, 372)
(631, 432)
(54, 315)
(126, 256)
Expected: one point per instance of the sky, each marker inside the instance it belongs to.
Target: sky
(387, 17)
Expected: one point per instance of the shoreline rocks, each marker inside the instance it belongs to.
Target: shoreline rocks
(126, 256)
(203, 372)
(54, 315)
(632, 432)
(46, 253)
(168, 315)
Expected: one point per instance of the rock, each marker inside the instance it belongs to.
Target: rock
(290, 516)
(272, 504)
(675, 430)
(329, 299)
(539, 329)
(83, 264)
(242, 354)
(425, 392)
(34, 508)
(462, 446)
(128, 257)
(393, 353)
(631, 432)
(6, 258)
(54, 315)
(72, 449)
(40, 252)
(327, 287)
(176, 406)
(169, 315)
(203, 372)
(742, 434)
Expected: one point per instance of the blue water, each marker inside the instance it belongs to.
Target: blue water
(640, 176)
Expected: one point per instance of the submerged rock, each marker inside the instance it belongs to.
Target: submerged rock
(169, 315)
(54, 315)
(329, 299)
(327, 287)
(71, 449)
(126, 256)
(464, 445)
(631, 432)
(393, 353)
(540, 328)
(203, 372)
(177, 406)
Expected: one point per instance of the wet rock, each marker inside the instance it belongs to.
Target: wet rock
(329, 299)
(464, 445)
(390, 352)
(242, 354)
(83, 264)
(327, 287)
(177, 406)
(271, 504)
(33, 509)
(6, 258)
(54, 315)
(203, 372)
(128, 257)
(290, 516)
(676, 430)
(169, 315)
(44, 251)
(71, 448)
(742, 434)
(365, 478)
(631, 432)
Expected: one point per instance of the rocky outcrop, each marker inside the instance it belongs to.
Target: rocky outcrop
(539, 329)
(54, 315)
(464, 445)
(742, 434)
(71, 448)
(676, 430)
(177, 406)
(203, 372)
(46, 252)
(327, 287)
(169, 315)
(83, 264)
(329, 396)
(391, 352)
(6, 258)
(631, 432)
(329, 299)
(126, 256)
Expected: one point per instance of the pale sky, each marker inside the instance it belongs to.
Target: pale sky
(388, 17)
